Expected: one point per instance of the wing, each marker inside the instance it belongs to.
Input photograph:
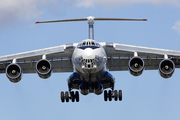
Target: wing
(59, 56)
(120, 54)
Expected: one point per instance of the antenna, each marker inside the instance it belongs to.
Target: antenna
(90, 20)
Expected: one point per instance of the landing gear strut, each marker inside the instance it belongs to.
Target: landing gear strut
(69, 95)
(113, 94)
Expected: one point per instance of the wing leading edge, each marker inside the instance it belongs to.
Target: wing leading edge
(120, 54)
(59, 56)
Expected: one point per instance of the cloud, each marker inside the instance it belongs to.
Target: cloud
(177, 26)
(13, 11)
(110, 3)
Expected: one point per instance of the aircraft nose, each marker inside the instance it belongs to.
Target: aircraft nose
(88, 54)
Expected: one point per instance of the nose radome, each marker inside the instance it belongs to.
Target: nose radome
(88, 54)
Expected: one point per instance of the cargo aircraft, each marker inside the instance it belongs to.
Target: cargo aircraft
(90, 62)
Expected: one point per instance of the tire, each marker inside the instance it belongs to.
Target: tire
(105, 95)
(72, 96)
(115, 95)
(77, 96)
(62, 96)
(67, 96)
(110, 95)
(120, 95)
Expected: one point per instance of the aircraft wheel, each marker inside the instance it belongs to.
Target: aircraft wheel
(120, 95)
(67, 96)
(115, 95)
(77, 96)
(62, 96)
(105, 95)
(72, 96)
(110, 95)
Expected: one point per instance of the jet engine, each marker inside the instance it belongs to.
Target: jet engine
(136, 66)
(166, 68)
(44, 68)
(14, 72)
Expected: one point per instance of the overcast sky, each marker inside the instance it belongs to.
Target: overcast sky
(147, 97)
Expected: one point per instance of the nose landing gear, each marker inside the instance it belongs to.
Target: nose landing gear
(113, 94)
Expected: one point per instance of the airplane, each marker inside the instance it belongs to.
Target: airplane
(90, 62)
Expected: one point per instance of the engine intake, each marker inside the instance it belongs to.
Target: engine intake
(166, 68)
(136, 66)
(14, 72)
(44, 68)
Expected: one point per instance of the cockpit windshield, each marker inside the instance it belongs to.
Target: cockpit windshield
(88, 44)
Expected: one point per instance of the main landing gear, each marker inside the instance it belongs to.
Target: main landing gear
(108, 95)
(70, 95)
(113, 94)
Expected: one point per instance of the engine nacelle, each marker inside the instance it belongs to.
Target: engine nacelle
(166, 68)
(44, 68)
(136, 66)
(14, 72)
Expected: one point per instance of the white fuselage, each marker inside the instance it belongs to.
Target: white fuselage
(89, 57)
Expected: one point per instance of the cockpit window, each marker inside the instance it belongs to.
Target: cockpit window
(93, 44)
(97, 44)
(89, 43)
(84, 44)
